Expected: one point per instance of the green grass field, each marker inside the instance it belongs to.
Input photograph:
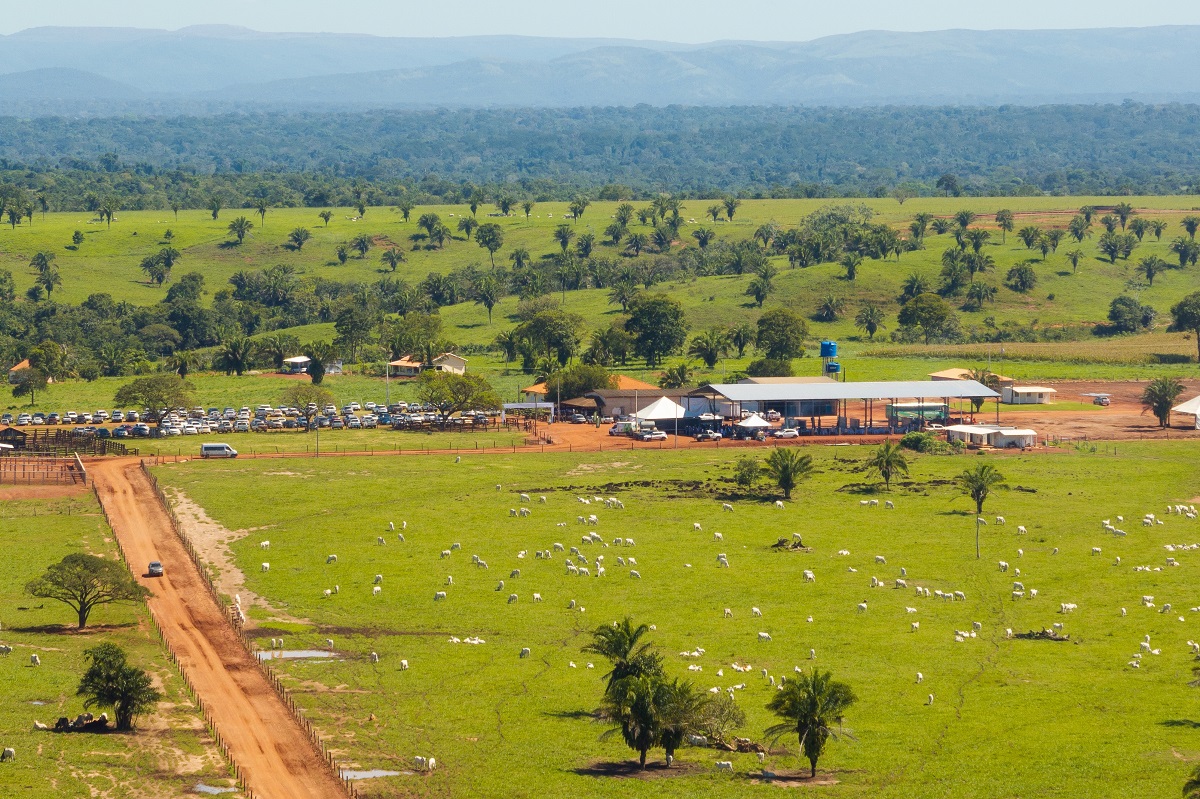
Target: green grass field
(169, 753)
(1010, 718)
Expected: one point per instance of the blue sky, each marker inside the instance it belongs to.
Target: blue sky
(691, 21)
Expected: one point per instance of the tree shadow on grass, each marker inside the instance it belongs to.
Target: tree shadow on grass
(576, 715)
(69, 629)
(1185, 723)
(626, 769)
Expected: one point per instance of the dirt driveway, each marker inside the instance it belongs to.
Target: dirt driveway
(268, 745)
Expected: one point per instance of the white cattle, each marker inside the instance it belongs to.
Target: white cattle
(727, 506)
(8, 754)
(264, 544)
(724, 765)
(764, 636)
(379, 540)
(718, 537)
(1021, 529)
(809, 577)
(696, 526)
(779, 504)
(525, 652)
(512, 598)
(266, 567)
(756, 611)
(375, 591)
(378, 579)
(439, 595)
(537, 597)
(880, 559)
(525, 498)
(374, 657)
(34, 660)
(728, 613)
(916, 625)
(633, 573)
(331, 559)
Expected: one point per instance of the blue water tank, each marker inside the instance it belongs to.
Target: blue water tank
(829, 349)
(833, 366)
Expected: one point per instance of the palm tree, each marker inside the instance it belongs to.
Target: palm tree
(870, 318)
(715, 212)
(156, 271)
(298, 237)
(1004, 220)
(393, 257)
(760, 287)
(361, 244)
(578, 206)
(1158, 226)
(235, 356)
(1123, 211)
(520, 258)
(620, 643)
(563, 235)
(1029, 235)
(1190, 224)
(325, 216)
(214, 206)
(278, 346)
(1087, 212)
(813, 706)
(48, 279)
(584, 246)
(1110, 223)
(977, 483)
(1151, 266)
(709, 346)
(979, 293)
(1079, 228)
(261, 207)
(183, 361)
(633, 704)
(964, 219)
(787, 467)
(978, 238)
(467, 226)
(679, 714)
(731, 204)
(240, 227)
(1159, 396)
(850, 262)
(429, 222)
(940, 225)
(1139, 227)
(742, 335)
(636, 243)
(1074, 256)
(913, 285)
(527, 207)
(830, 308)
(676, 376)
(487, 293)
(703, 236)
(887, 461)
(320, 355)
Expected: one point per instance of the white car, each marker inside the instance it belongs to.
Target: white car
(242, 426)
(787, 432)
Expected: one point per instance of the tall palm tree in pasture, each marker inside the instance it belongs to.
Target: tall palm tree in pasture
(813, 706)
(887, 461)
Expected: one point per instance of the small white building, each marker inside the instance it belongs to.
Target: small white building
(1026, 395)
(990, 435)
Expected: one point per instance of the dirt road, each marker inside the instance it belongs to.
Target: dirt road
(272, 751)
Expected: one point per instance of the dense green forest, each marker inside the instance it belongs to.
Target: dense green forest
(323, 159)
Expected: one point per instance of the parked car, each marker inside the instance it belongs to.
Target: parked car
(708, 435)
(652, 435)
(53, 418)
(241, 426)
(772, 416)
(118, 416)
(1102, 400)
(103, 432)
(577, 418)
(6, 419)
(141, 430)
(38, 419)
(336, 423)
(787, 432)
(155, 569)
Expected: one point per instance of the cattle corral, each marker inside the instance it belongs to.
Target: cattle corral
(495, 720)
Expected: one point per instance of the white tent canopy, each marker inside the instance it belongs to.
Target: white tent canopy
(661, 408)
(754, 420)
(1192, 406)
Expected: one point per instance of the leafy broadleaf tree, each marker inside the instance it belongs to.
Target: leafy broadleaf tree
(84, 582)
(110, 681)
(155, 394)
(1185, 316)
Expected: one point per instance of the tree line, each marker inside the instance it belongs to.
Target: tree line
(612, 153)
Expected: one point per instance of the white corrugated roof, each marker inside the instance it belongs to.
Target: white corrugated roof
(1033, 390)
(900, 389)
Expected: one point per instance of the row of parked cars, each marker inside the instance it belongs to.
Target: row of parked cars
(38, 418)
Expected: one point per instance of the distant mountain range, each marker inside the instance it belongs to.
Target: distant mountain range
(98, 71)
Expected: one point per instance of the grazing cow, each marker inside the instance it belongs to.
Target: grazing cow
(696, 526)
(439, 596)
(266, 567)
(264, 544)
(404, 665)
(764, 636)
(916, 625)
(779, 504)
(524, 497)
(1021, 529)
(331, 559)
(634, 574)
(728, 613)
(375, 591)
(525, 652)
(725, 765)
(537, 597)
(999, 520)
(374, 657)
(514, 573)
(718, 537)
(380, 540)
(34, 660)
(756, 612)
(378, 579)
(727, 506)
(512, 598)
(8, 754)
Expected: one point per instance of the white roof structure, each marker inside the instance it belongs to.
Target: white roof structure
(1192, 406)
(899, 389)
(1032, 390)
(754, 420)
(661, 408)
(988, 429)
(297, 359)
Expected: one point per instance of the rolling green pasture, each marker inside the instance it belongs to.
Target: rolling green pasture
(1010, 717)
(170, 752)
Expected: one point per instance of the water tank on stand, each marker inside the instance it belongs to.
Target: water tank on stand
(829, 349)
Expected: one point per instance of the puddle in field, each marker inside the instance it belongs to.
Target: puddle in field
(202, 788)
(292, 654)
(350, 774)
(37, 702)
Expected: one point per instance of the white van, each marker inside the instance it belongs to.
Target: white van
(217, 451)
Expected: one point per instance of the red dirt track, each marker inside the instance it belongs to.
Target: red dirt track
(273, 752)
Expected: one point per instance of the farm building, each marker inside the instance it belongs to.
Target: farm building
(804, 404)
(965, 374)
(623, 383)
(296, 365)
(622, 402)
(989, 435)
(12, 373)
(409, 366)
(1026, 395)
